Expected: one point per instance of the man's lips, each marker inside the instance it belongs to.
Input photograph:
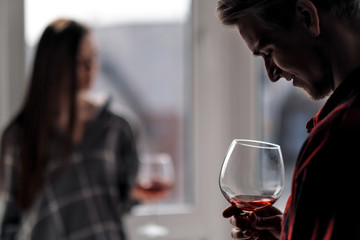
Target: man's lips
(288, 76)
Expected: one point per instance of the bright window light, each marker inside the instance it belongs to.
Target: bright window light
(105, 12)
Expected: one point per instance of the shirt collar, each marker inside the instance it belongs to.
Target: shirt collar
(340, 95)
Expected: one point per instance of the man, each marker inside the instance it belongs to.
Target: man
(316, 45)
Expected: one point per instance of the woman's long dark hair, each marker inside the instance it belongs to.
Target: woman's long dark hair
(53, 77)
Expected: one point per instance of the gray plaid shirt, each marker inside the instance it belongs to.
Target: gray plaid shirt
(87, 200)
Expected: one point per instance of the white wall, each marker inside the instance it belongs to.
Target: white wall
(11, 58)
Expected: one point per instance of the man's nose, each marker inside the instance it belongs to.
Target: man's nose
(273, 71)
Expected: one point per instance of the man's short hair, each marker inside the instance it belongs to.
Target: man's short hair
(281, 12)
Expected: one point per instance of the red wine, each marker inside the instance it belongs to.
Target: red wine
(251, 202)
(154, 186)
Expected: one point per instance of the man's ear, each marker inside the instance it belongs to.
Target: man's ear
(308, 14)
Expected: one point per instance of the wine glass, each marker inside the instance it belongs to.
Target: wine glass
(252, 174)
(154, 182)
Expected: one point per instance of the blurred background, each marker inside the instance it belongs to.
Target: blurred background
(187, 83)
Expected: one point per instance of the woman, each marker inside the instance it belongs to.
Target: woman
(67, 165)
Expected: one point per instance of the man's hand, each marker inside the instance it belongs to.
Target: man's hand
(262, 225)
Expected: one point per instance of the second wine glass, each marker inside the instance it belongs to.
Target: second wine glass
(154, 182)
(156, 176)
(252, 174)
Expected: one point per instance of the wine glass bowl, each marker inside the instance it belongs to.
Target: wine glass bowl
(155, 177)
(252, 174)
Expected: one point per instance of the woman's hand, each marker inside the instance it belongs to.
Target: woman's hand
(262, 225)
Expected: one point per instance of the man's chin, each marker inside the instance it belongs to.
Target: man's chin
(317, 95)
(314, 92)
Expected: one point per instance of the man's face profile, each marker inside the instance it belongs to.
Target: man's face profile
(293, 54)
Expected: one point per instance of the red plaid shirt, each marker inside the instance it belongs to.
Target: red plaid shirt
(323, 202)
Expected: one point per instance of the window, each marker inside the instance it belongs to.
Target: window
(145, 66)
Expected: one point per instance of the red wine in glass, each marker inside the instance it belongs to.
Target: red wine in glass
(155, 186)
(251, 203)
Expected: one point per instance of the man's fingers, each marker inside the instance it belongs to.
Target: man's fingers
(265, 223)
(237, 233)
(228, 212)
(241, 221)
(232, 211)
(252, 225)
(269, 211)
